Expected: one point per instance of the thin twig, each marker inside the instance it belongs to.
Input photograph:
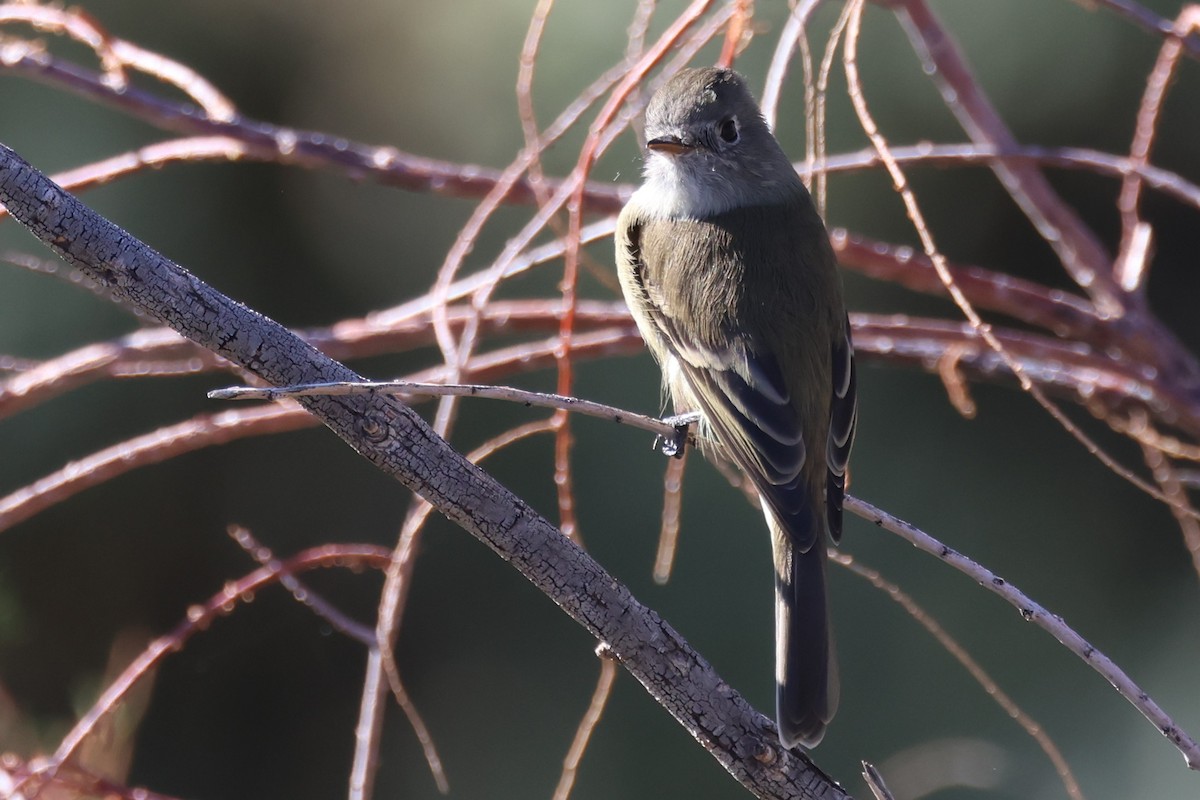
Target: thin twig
(1034, 612)
(967, 154)
(1054, 365)
(821, 94)
(300, 592)
(907, 340)
(792, 35)
(1133, 254)
(151, 448)
(116, 54)
(69, 781)
(738, 34)
(395, 439)
(368, 731)
(1138, 428)
(422, 389)
(875, 782)
(635, 47)
(161, 352)
(1139, 15)
(668, 536)
(976, 670)
(1076, 245)
(392, 602)
(199, 618)
(280, 144)
(1171, 485)
(587, 725)
(1032, 193)
(1069, 316)
(206, 430)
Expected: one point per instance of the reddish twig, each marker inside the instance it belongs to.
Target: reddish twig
(392, 603)
(1076, 158)
(1078, 249)
(1144, 18)
(1170, 484)
(1133, 255)
(918, 220)
(116, 54)
(1066, 315)
(151, 448)
(160, 352)
(69, 781)
(281, 144)
(600, 133)
(738, 34)
(587, 725)
(207, 430)
(1118, 382)
(1081, 254)
(668, 536)
(199, 618)
(792, 35)
(262, 555)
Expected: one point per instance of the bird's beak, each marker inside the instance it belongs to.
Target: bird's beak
(669, 145)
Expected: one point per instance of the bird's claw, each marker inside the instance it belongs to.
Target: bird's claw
(673, 446)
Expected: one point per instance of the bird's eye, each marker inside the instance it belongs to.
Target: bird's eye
(729, 130)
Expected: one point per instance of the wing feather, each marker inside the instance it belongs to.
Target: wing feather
(746, 401)
(843, 419)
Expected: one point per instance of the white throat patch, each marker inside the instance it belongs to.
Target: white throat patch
(672, 192)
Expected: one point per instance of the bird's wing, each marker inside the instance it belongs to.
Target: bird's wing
(745, 400)
(843, 419)
(746, 403)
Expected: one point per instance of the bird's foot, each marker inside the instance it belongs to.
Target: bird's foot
(674, 445)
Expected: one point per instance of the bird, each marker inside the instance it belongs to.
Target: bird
(728, 271)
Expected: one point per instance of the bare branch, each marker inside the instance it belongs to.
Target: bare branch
(160, 352)
(1131, 264)
(976, 670)
(391, 608)
(151, 448)
(396, 440)
(1101, 347)
(1074, 158)
(875, 782)
(1077, 247)
(282, 145)
(587, 725)
(405, 389)
(300, 592)
(668, 537)
(1032, 611)
(207, 430)
(1143, 17)
(199, 618)
(928, 27)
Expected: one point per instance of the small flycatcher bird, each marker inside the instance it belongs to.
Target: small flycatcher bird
(729, 273)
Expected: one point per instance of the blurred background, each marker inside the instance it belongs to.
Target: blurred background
(264, 702)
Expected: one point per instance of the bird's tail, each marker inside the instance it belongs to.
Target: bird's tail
(805, 660)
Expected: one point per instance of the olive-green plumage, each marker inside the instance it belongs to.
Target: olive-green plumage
(727, 269)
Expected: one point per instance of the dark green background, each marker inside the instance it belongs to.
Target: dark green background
(264, 703)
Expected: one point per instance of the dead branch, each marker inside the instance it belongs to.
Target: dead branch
(392, 437)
